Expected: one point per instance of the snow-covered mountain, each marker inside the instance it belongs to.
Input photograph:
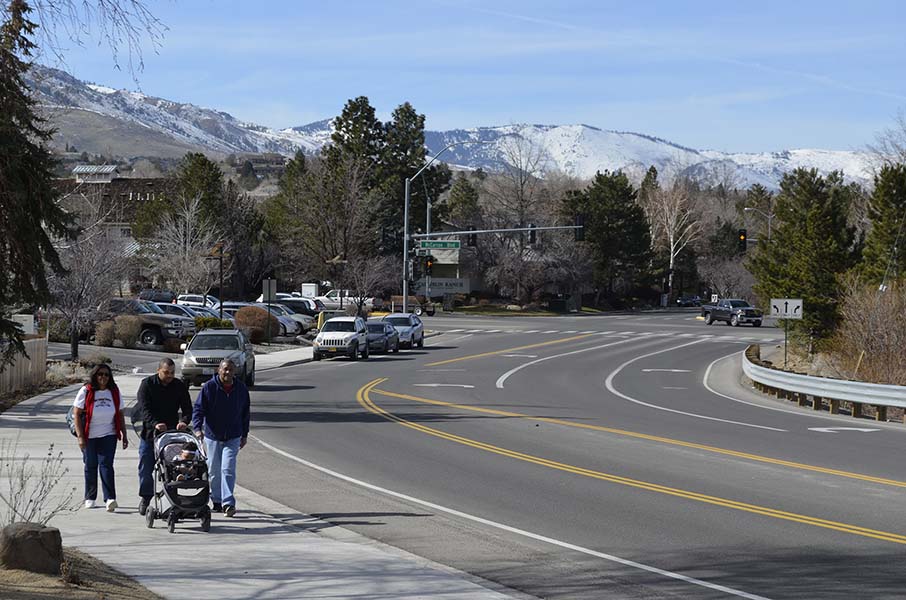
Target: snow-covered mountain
(127, 123)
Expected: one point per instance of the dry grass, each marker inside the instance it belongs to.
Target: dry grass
(86, 579)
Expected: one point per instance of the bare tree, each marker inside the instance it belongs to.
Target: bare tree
(726, 277)
(890, 144)
(674, 222)
(96, 263)
(30, 495)
(366, 276)
(515, 197)
(179, 248)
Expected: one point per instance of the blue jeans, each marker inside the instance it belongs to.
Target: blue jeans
(222, 469)
(146, 469)
(98, 456)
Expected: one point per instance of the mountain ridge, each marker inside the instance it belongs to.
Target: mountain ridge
(101, 119)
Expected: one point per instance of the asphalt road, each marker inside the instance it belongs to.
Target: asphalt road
(588, 457)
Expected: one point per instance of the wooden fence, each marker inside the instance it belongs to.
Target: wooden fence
(26, 371)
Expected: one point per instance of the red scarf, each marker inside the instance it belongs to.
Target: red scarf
(89, 409)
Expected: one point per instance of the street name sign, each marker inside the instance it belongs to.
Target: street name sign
(786, 308)
(439, 244)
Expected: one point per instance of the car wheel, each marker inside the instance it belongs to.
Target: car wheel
(315, 356)
(355, 353)
(421, 341)
(756, 324)
(418, 311)
(386, 347)
(365, 352)
(151, 337)
(708, 319)
(250, 380)
(396, 347)
(734, 321)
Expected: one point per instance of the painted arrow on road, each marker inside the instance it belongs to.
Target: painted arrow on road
(836, 429)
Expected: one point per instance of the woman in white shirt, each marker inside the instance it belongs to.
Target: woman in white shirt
(99, 424)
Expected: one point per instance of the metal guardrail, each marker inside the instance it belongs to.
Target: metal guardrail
(797, 386)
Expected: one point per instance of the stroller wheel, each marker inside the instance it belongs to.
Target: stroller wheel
(206, 522)
(150, 516)
(171, 524)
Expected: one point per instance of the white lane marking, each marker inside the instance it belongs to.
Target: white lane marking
(474, 330)
(492, 331)
(667, 387)
(666, 371)
(531, 331)
(589, 332)
(510, 529)
(603, 332)
(800, 413)
(434, 385)
(836, 429)
(551, 331)
(437, 370)
(520, 355)
(570, 331)
(609, 384)
(505, 376)
(454, 330)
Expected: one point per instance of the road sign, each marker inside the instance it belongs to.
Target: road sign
(269, 290)
(713, 298)
(439, 244)
(786, 308)
(421, 252)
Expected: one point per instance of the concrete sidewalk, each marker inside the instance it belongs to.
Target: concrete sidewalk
(266, 551)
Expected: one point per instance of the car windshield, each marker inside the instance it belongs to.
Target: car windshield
(139, 307)
(339, 326)
(375, 328)
(214, 342)
(399, 321)
(739, 304)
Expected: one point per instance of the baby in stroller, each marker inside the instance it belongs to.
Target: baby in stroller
(185, 464)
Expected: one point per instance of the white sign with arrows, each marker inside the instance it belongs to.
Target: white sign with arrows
(786, 308)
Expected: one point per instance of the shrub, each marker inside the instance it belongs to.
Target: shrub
(104, 333)
(92, 361)
(351, 311)
(250, 317)
(255, 334)
(126, 329)
(211, 323)
(59, 331)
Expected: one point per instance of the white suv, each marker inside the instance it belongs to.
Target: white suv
(342, 335)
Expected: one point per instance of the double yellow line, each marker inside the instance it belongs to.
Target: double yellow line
(364, 399)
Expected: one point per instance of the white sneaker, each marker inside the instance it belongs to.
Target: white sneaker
(90, 504)
(111, 505)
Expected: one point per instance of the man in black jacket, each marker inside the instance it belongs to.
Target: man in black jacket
(161, 399)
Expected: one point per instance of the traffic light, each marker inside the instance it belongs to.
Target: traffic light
(429, 264)
(580, 228)
(532, 234)
(741, 240)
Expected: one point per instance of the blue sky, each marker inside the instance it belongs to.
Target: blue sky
(733, 76)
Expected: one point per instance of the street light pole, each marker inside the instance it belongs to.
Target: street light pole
(768, 216)
(409, 180)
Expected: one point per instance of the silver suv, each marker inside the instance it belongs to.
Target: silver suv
(342, 335)
(210, 346)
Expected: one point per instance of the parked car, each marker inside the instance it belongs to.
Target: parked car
(305, 322)
(197, 300)
(277, 296)
(157, 295)
(209, 347)
(332, 299)
(177, 309)
(410, 328)
(733, 312)
(341, 335)
(688, 301)
(303, 306)
(210, 312)
(383, 337)
(156, 326)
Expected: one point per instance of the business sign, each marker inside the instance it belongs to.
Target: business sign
(439, 244)
(444, 285)
(786, 308)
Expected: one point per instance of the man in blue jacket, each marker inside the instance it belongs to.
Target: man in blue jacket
(221, 418)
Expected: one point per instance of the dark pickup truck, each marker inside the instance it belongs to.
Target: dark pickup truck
(733, 312)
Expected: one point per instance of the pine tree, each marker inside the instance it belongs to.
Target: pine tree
(884, 257)
(248, 179)
(811, 246)
(615, 227)
(29, 214)
(462, 203)
(357, 132)
(199, 176)
(758, 197)
(649, 185)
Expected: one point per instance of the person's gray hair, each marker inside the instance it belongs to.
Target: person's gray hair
(227, 361)
(166, 362)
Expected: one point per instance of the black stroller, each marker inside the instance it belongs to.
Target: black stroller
(184, 483)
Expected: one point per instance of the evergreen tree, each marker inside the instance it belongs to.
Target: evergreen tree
(615, 227)
(884, 257)
(357, 132)
(197, 175)
(811, 246)
(29, 213)
(760, 198)
(248, 179)
(649, 185)
(462, 203)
